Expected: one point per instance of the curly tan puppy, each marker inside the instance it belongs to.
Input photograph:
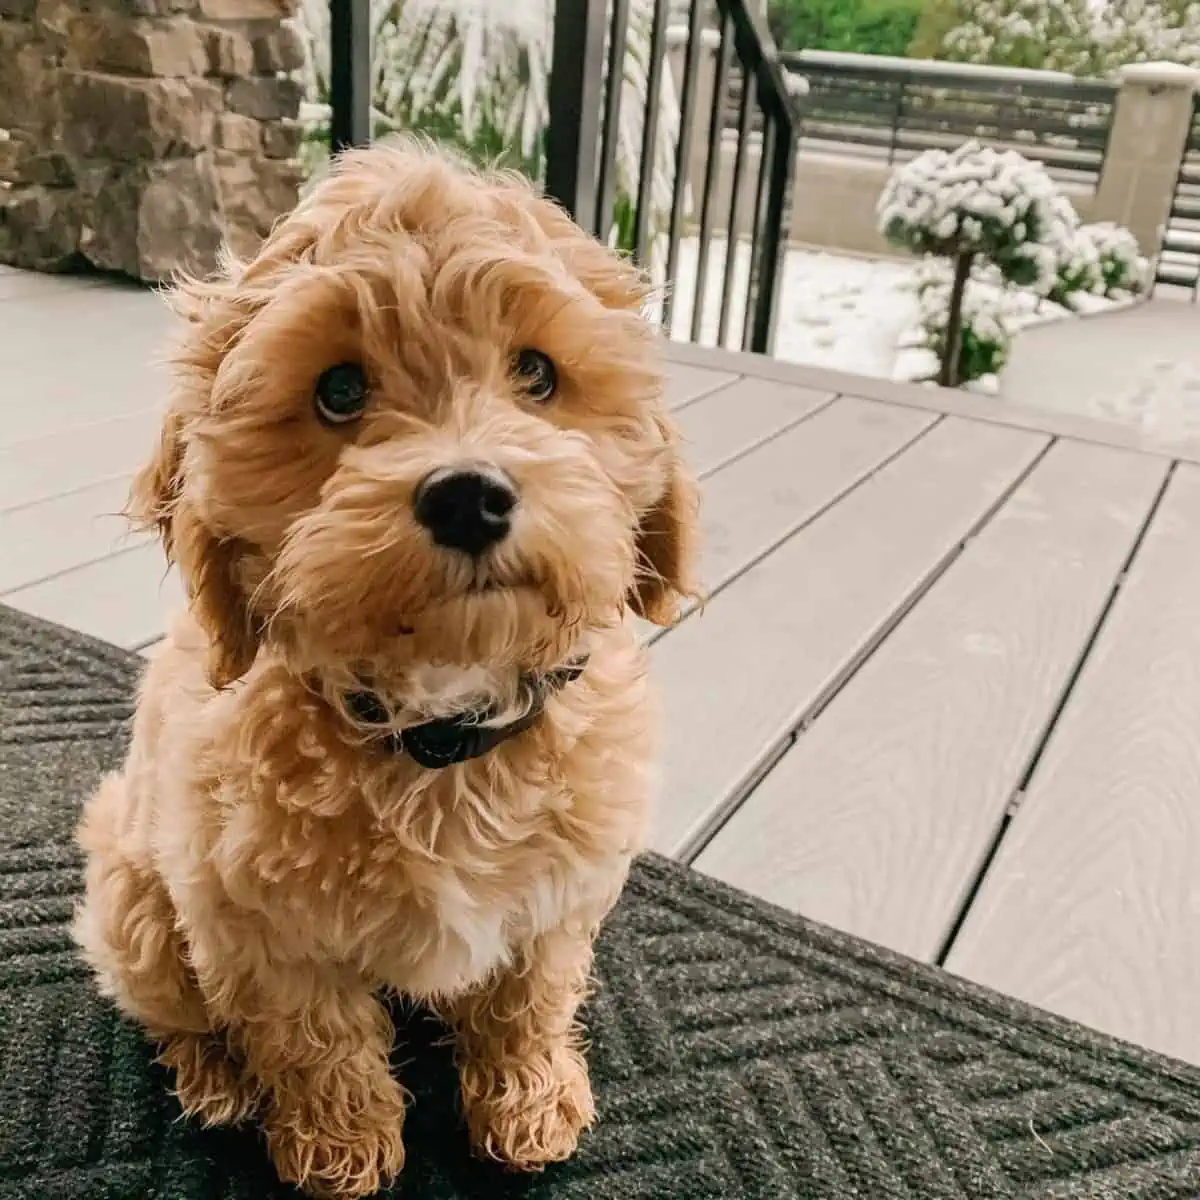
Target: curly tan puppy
(416, 475)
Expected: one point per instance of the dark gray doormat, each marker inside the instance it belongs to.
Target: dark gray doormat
(738, 1052)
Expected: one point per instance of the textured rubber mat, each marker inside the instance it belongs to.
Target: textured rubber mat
(737, 1051)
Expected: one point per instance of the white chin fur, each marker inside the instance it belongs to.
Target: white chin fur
(447, 690)
(442, 691)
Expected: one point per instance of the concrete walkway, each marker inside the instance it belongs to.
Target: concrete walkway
(1139, 366)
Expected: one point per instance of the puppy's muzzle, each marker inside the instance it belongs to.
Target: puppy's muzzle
(466, 508)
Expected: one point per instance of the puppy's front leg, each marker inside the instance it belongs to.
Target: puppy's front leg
(317, 1041)
(525, 1087)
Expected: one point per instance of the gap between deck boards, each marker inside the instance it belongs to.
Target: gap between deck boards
(694, 845)
(1027, 776)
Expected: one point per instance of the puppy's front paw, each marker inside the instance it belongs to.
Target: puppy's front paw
(347, 1142)
(528, 1112)
(210, 1086)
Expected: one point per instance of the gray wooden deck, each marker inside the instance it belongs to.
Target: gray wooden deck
(945, 693)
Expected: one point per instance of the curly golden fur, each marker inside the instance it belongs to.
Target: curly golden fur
(261, 871)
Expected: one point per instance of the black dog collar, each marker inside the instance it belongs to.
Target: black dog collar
(448, 740)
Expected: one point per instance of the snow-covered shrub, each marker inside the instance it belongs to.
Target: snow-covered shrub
(460, 71)
(1080, 269)
(973, 206)
(1103, 259)
(992, 204)
(986, 327)
(985, 332)
(1123, 268)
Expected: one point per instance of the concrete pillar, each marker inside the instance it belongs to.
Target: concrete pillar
(1150, 128)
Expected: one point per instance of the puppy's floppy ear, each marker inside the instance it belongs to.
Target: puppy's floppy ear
(215, 314)
(160, 497)
(667, 533)
(207, 563)
(667, 540)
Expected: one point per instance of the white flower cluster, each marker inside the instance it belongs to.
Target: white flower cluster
(1054, 34)
(993, 314)
(1128, 31)
(1079, 270)
(1123, 266)
(1073, 35)
(1102, 259)
(994, 203)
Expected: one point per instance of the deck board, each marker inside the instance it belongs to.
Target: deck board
(740, 677)
(52, 536)
(762, 498)
(758, 497)
(1091, 907)
(126, 598)
(80, 355)
(684, 384)
(879, 819)
(729, 422)
(43, 467)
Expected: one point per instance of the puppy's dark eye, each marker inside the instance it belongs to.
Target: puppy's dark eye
(341, 394)
(535, 374)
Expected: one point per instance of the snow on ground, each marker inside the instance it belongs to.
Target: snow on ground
(1140, 367)
(837, 310)
(1164, 399)
(859, 315)
(834, 310)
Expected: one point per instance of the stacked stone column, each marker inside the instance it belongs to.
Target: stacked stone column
(140, 134)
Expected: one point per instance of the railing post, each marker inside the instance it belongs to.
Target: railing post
(1149, 132)
(897, 120)
(774, 240)
(576, 93)
(349, 73)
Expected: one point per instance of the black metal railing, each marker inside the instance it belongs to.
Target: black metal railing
(727, 227)
(349, 73)
(1178, 258)
(692, 200)
(896, 110)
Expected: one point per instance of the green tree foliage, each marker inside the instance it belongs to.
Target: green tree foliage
(855, 26)
(937, 18)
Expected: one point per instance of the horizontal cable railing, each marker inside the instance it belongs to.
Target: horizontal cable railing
(639, 154)
(895, 110)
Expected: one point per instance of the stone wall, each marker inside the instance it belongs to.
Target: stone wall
(136, 135)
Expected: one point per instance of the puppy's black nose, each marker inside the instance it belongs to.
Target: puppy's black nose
(467, 509)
